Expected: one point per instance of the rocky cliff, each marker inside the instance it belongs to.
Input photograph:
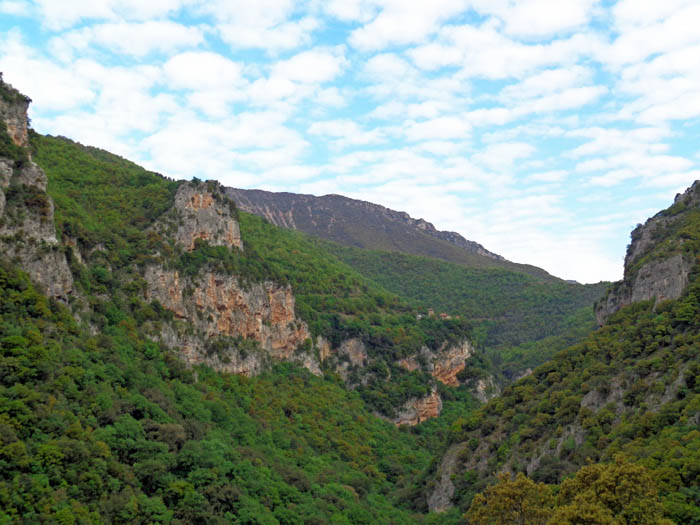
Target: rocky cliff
(27, 231)
(217, 317)
(443, 364)
(659, 258)
(205, 215)
(416, 411)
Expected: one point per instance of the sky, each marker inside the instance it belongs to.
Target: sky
(543, 129)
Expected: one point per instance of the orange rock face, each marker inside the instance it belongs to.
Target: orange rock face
(201, 214)
(199, 201)
(218, 306)
(443, 365)
(420, 410)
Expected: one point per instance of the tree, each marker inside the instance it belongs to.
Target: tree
(619, 493)
(512, 502)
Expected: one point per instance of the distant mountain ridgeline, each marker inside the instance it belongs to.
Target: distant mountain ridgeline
(362, 224)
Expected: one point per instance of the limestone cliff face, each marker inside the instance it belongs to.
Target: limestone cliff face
(27, 231)
(218, 320)
(204, 213)
(418, 410)
(653, 272)
(215, 305)
(443, 364)
(13, 112)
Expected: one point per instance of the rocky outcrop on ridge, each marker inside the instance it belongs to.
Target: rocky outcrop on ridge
(219, 316)
(653, 269)
(27, 231)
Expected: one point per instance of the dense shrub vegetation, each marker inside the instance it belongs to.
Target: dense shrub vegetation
(522, 320)
(113, 428)
(631, 387)
(105, 204)
(98, 423)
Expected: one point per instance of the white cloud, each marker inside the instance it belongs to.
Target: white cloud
(484, 51)
(549, 176)
(502, 156)
(351, 10)
(263, 24)
(401, 22)
(548, 81)
(648, 28)
(52, 87)
(346, 133)
(136, 38)
(66, 13)
(438, 128)
(202, 70)
(539, 18)
(315, 66)
(14, 7)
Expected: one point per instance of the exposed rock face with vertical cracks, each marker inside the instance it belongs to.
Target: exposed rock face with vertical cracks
(418, 410)
(443, 364)
(216, 305)
(27, 231)
(651, 273)
(205, 214)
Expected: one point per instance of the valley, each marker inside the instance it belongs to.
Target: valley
(182, 352)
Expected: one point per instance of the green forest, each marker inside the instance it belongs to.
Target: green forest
(101, 421)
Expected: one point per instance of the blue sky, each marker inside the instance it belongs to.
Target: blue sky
(543, 129)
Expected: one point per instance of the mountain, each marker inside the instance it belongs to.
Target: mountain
(167, 358)
(521, 314)
(629, 392)
(365, 225)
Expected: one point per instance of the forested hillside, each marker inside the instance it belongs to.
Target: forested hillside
(101, 421)
(520, 319)
(168, 358)
(105, 204)
(114, 428)
(629, 393)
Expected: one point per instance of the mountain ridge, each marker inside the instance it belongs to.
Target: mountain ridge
(368, 225)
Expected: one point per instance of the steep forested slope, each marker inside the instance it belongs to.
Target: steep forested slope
(630, 388)
(521, 319)
(102, 421)
(105, 206)
(113, 428)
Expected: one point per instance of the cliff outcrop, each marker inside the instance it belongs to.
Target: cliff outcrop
(443, 364)
(222, 313)
(201, 211)
(416, 411)
(659, 258)
(27, 231)
(219, 320)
